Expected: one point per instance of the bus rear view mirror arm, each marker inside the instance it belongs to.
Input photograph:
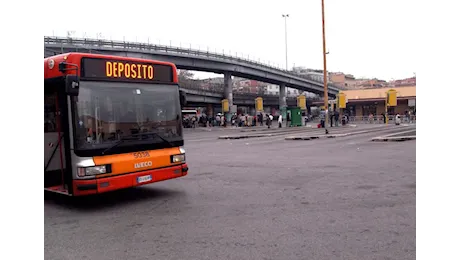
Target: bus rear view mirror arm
(72, 85)
(71, 81)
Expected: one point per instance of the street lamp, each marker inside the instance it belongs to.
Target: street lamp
(326, 101)
(285, 16)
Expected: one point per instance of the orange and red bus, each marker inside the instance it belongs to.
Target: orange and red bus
(111, 123)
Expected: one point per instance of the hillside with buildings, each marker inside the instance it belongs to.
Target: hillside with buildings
(350, 82)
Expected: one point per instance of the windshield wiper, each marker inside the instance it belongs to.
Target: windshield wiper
(158, 135)
(128, 137)
(123, 138)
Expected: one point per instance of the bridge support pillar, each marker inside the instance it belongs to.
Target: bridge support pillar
(209, 110)
(228, 94)
(282, 101)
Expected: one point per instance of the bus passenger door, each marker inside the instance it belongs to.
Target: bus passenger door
(54, 154)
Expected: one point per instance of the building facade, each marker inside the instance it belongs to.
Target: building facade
(364, 102)
(317, 75)
(272, 89)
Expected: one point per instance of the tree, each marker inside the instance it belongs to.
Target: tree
(261, 90)
(185, 75)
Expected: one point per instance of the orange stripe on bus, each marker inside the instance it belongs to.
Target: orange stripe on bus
(126, 163)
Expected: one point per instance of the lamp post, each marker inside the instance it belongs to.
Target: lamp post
(326, 107)
(285, 16)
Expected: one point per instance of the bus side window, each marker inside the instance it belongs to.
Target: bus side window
(50, 113)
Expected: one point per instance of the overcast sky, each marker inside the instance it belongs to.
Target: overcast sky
(366, 38)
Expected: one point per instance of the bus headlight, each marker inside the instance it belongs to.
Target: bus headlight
(178, 158)
(90, 171)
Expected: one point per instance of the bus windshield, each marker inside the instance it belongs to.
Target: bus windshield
(107, 112)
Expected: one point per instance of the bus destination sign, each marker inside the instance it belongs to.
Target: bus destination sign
(122, 70)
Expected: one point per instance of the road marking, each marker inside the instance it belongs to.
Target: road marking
(398, 133)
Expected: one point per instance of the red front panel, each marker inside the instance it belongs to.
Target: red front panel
(126, 181)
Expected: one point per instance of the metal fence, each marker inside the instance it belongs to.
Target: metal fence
(379, 119)
(373, 120)
(89, 44)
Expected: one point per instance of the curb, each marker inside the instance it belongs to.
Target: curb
(243, 136)
(251, 135)
(394, 139)
(306, 138)
(301, 138)
(270, 129)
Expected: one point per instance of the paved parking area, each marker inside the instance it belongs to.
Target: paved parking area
(260, 198)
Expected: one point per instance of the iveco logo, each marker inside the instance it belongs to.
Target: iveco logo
(143, 164)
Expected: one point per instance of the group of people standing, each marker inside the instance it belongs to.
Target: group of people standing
(238, 120)
(334, 119)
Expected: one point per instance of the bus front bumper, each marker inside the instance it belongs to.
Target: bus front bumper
(87, 187)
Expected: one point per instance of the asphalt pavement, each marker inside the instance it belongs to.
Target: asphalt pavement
(257, 198)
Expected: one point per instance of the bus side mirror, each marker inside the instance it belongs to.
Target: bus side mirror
(183, 98)
(72, 85)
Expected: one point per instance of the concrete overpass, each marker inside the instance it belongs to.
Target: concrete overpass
(202, 98)
(193, 60)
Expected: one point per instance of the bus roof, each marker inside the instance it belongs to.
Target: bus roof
(51, 64)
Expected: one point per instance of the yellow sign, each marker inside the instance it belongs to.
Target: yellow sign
(342, 100)
(392, 99)
(225, 107)
(302, 102)
(259, 104)
(129, 71)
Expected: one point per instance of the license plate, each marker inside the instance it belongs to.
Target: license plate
(145, 178)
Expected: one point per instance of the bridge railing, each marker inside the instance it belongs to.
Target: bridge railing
(219, 89)
(197, 87)
(126, 45)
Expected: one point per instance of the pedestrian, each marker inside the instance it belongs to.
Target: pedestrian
(218, 120)
(270, 119)
(323, 118)
(397, 119)
(280, 121)
(194, 123)
(243, 122)
(336, 118)
(331, 117)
